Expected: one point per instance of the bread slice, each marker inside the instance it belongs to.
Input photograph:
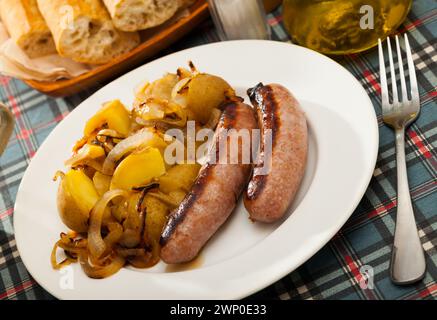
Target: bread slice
(27, 27)
(84, 32)
(133, 15)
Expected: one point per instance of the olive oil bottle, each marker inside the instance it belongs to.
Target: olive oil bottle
(342, 26)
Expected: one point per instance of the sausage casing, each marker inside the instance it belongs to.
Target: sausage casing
(281, 161)
(214, 194)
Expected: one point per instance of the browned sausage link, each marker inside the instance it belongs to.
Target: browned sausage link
(270, 194)
(213, 196)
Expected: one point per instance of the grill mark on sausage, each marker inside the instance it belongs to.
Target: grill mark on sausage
(227, 121)
(229, 115)
(178, 216)
(263, 99)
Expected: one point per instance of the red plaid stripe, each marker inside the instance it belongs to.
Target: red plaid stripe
(371, 79)
(9, 293)
(4, 81)
(382, 209)
(418, 142)
(429, 291)
(334, 273)
(21, 124)
(6, 213)
(416, 23)
(273, 21)
(351, 265)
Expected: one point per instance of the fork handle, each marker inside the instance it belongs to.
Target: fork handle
(408, 259)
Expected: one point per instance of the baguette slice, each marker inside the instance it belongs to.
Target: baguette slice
(84, 32)
(27, 27)
(133, 15)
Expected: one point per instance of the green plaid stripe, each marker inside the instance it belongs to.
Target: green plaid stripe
(366, 239)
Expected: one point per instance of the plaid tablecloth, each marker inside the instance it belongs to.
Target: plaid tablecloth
(365, 240)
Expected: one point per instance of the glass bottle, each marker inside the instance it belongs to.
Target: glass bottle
(342, 26)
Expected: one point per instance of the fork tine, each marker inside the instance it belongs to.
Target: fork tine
(382, 76)
(412, 71)
(394, 86)
(404, 96)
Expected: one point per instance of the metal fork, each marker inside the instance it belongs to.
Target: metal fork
(408, 260)
(6, 126)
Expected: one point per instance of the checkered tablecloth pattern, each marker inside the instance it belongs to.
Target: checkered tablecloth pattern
(365, 240)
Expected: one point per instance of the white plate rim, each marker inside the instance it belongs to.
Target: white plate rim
(303, 258)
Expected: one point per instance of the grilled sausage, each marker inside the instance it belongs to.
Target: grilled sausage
(270, 192)
(214, 194)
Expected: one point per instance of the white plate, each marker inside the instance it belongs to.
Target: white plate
(243, 257)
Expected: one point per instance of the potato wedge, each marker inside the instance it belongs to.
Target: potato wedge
(92, 151)
(87, 152)
(114, 114)
(206, 92)
(179, 177)
(76, 197)
(138, 169)
(155, 219)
